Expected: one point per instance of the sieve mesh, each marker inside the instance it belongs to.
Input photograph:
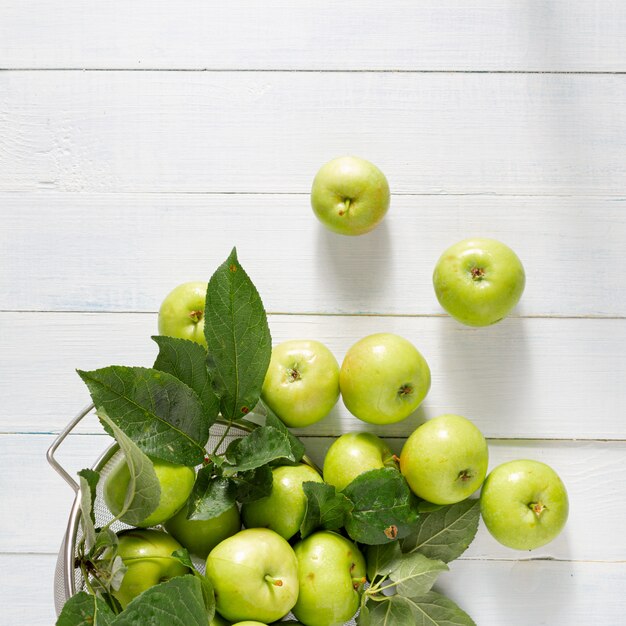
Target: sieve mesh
(68, 580)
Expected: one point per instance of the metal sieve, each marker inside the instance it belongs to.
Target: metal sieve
(68, 578)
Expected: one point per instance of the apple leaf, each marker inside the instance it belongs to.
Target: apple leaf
(431, 609)
(211, 495)
(177, 602)
(382, 559)
(88, 480)
(253, 484)
(297, 447)
(384, 508)
(445, 533)
(363, 618)
(208, 592)
(415, 574)
(144, 490)
(325, 508)
(160, 413)
(238, 338)
(262, 446)
(187, 361)
(83, 609)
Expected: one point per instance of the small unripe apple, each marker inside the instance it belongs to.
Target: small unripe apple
(352, 454)
(331, 571)
(148, 556)
(302, 382)
(255, 576)
(350, 196)
(176, 483)
(524, 504)
(182, 312)
(283, 510)
(201, 536)
(383, 378)
(478, 281)
(445, 460)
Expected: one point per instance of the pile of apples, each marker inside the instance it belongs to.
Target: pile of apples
(257, 574)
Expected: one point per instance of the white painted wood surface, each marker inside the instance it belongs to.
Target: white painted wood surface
(502, 119)
(444, 35)
(270, 131)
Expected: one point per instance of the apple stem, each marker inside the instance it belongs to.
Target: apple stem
(358, 582)
(294, 374)
(537, 508)
(477, 273)
(405, 390)
(196, 316)
(464, 475)
(274, 581)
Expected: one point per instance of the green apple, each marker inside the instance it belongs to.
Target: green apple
(383, 378)
(201, 536)
(331, 571)
(148, 556)
(445, 460)
(350, 196)
(478, 281)
(352, 454)
(524, 504)
(249, 623)
(182, 312)
(254, 574)
(283, 510)
(176, 484)
(302, 382)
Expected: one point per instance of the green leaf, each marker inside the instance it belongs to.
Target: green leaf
(105, 540)
(208, 592)
(144, 490)
(211, 495)
(325, 508)
(238, 338)
(382, 559)
(161, 414)
(254, 484)
(415, 574)
(262, 446)
(177, 602)
(432, 609)
(84, 609)
(363, 618)
(391, 611)
(186, 360)
(445, 533)
(116, 574)
(384, 508)
(88, 480)
(297, 447)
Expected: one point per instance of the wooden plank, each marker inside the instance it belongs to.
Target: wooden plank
(27, 587)
(402, 35)
(494, 593)
(590, 470)
(297, 265)
(536, 378)
(551, 593)
(271, 131)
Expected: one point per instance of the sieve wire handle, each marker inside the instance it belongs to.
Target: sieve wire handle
(60, 470)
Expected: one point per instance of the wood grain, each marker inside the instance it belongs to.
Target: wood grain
(537, 378)
(591, 472)
(141, 245)
(442, 35)
(271, 131)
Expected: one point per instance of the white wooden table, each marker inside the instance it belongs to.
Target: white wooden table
(140, 141)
